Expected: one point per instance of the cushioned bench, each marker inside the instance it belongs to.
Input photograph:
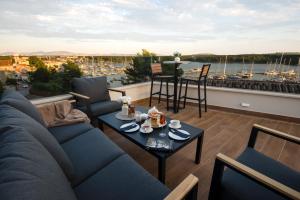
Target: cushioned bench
(68, 162)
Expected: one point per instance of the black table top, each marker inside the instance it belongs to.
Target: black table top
(140, 139)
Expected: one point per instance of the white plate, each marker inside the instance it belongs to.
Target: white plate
(143, 130)
(175, 127)
(130, 130)
(176, 137)
(125, 117)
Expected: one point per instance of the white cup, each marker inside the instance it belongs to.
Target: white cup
(175, 123)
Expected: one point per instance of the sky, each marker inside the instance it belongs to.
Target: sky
(161, 26)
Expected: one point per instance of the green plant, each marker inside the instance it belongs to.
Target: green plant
(41, 74)
(1, 87)
(140, 70)
(46, 89)
(51, 82)
(11, 81)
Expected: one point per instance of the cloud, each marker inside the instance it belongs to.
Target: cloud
(154, 21)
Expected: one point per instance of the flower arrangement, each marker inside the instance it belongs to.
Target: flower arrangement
(125, 100)
(176, 54)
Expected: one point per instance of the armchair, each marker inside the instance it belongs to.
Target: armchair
(254, 175)
(92, 95)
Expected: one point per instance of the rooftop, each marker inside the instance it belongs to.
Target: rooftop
(225, 132)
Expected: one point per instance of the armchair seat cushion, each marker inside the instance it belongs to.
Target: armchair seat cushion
(67, 132)
(236, 186)
(123, 178)
(90, 152)
(103, 107)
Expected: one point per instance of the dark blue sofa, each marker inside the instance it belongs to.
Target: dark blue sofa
(67, 162)
(253, 175)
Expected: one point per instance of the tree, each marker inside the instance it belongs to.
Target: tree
(70, 71)
(41, 74)
(36, 62)
(140, 70)
(51, 82)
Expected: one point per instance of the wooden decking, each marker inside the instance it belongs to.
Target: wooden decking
(225, 132)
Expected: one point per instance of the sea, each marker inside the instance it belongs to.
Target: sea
(258, 70)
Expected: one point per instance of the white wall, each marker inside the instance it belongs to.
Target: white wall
(135, 91)
(259, 101)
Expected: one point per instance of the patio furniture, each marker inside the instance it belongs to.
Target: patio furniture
(70, 162)
(140, 139)
(254, 175)
(156, 71)
(175, 80)
(201, 80)
(93, 97)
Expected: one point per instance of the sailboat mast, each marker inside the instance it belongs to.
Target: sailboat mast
(280, 62)
(225, 65)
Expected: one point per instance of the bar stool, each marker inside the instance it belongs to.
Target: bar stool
(201, 79)
(156, 71)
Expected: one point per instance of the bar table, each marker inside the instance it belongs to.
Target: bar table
(176, 66)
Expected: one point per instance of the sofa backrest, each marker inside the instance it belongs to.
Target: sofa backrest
(96, 88)
(10, 116)
(18, 101)
(27, 170)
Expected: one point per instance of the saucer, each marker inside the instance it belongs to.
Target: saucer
(175, 127)
(143, 130)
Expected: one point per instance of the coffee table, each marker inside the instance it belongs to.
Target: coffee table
(140, 139)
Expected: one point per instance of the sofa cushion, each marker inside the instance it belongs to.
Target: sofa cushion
(95, 88)
(18, 101)
(28, 171)
(104, 107)
(122, 179)
(9, 116)
(236, 186)
(67, 132)
(89, 152)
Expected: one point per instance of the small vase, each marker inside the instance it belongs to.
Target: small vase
(177, 59)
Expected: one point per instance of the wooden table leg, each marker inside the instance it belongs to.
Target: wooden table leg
(199, 149)
(162, 169)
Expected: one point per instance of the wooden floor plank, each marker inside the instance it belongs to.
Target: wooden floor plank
(224, 132)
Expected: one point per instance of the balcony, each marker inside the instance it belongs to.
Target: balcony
(227, 126)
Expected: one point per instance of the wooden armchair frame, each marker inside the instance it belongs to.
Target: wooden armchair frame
(223, 161)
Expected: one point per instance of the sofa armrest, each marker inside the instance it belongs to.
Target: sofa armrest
(258, 128)
(187, 188)
(223, 160)
(120, 91)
